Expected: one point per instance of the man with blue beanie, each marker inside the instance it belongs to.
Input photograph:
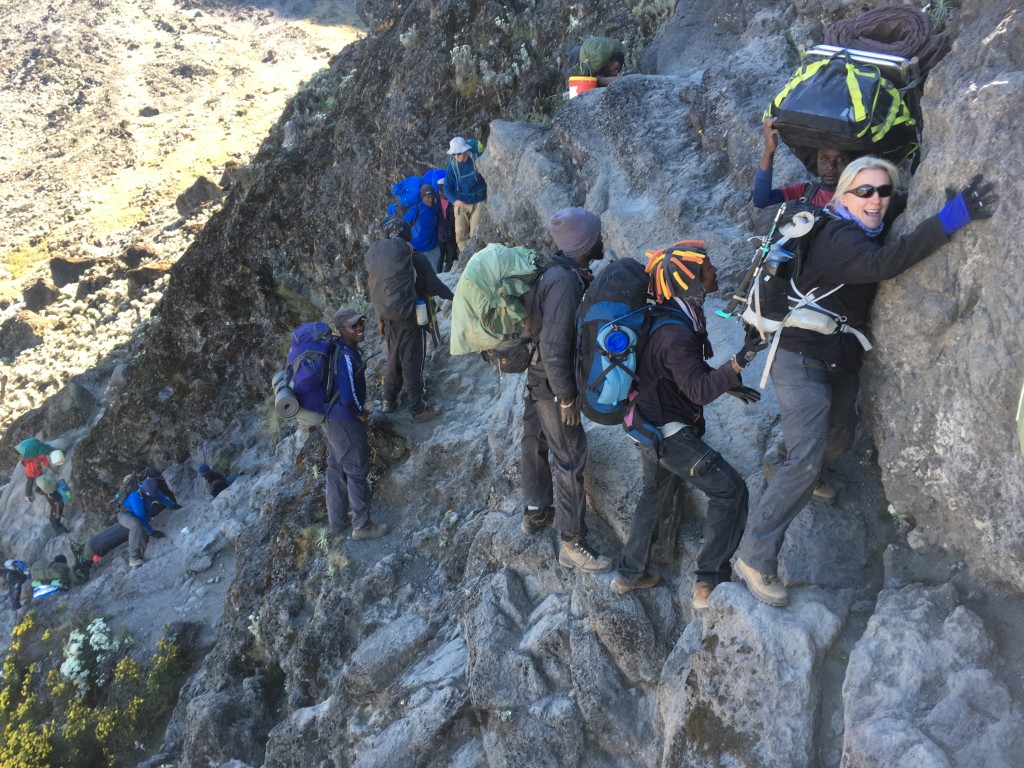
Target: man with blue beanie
(553, 487)
(135, 515)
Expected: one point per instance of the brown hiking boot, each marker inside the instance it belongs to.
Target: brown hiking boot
(766, 587)
(371, 531)
(823, 492)
(578, 554)
(701, 592)
(427, 414)
(534, 521)
(646, 581)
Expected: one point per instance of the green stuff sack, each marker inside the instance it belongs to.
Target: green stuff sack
(488, 308)
(842, 104)
(594, 55)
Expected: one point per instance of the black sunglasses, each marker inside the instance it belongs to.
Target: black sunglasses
(866, 190)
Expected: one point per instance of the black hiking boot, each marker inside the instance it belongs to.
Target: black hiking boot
(536, 519)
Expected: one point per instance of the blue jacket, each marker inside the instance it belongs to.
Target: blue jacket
(350, 381)
(462, 182)
(141, 506)
(423, 220)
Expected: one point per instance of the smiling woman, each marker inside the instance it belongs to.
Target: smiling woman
(815, 375)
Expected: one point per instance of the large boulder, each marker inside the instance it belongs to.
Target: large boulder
(944, 380)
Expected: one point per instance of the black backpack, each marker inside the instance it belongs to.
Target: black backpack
(392, 279)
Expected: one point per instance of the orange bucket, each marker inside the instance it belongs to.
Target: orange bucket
(579, 84)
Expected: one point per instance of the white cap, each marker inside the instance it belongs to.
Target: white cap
(458, 145)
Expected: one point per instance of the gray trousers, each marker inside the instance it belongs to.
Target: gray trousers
(818, 410)
(348, 465)
(545, 435)
(137, 536)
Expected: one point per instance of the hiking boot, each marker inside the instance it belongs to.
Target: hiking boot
(427, 414)
(646, 581)
(371, 531)
(766, 587)
(533, 521)
(823, 492)
(578, 554)
(388, 406)
(135, 562)
(701, 592)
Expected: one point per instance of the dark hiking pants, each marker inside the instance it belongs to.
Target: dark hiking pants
(553, 459)
(684, 456)
(406, 352)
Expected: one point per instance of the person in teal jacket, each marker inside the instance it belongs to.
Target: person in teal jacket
(135, 516)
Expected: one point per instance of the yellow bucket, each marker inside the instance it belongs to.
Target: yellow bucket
(579, 84)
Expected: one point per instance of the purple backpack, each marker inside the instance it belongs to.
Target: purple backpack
(312, 361)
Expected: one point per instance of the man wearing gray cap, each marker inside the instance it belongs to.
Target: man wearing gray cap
(553, 489)
(465, 188)
(348, 452)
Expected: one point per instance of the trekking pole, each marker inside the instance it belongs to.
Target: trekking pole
(743, 291)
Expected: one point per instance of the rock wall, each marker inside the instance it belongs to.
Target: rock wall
(945, 379)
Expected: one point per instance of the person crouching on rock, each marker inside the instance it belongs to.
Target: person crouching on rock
(46, 483)
(215, 481)
(348, 452)
(674, 384)
(815, 375)
(135, 516)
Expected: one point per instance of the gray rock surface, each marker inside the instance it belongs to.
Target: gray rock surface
(923, 687)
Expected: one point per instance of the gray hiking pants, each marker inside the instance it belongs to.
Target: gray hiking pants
(137, 536)
(818, 410)
(404, 368)
(348, 465)
(544, 434)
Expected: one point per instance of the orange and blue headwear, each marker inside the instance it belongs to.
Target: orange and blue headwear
(675, 271)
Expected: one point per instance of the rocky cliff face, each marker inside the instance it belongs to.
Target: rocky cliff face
(458, 640)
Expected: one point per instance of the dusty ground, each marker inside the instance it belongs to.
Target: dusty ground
(110, 108)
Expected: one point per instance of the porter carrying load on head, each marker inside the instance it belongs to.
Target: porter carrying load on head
(847, 100)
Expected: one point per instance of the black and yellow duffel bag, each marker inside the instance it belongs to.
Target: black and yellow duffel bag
(840, 103)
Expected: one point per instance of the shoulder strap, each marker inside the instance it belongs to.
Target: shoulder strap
(810, 190)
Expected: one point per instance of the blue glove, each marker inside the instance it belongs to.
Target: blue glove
(976, 201)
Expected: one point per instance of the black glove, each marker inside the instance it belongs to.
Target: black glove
(747, 394)
(980, 197)
(750, 350)
(159, 535)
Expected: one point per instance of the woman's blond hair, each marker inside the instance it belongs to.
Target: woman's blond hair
(865, 163)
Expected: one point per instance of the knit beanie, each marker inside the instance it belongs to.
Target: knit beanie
(575, 230)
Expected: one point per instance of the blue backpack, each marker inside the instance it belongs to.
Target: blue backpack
(312, 362)
(613, 324)
(407, 191)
